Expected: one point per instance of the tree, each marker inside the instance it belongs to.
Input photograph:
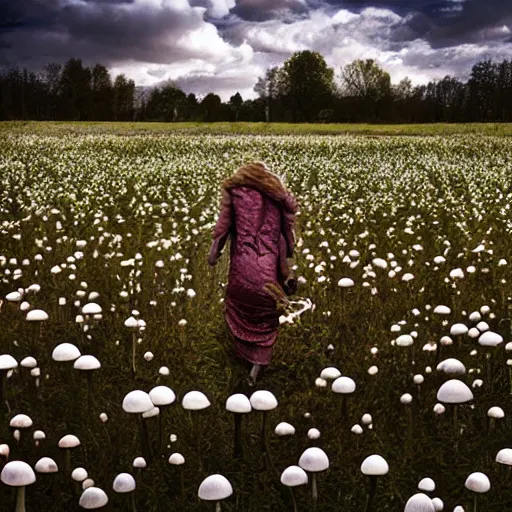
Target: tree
(235, 103)
(365, 79)
(211, 107)
(309, 84)
(75, 91)
(403, 90)
(271, 89)
(367, 82)
(102, 93)
(167, 103)
(124, 96)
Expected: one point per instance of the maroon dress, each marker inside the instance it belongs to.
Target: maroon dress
(261, 230)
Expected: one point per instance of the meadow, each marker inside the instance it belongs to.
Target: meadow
(107, 231)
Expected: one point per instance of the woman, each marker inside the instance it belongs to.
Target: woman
(259, 214)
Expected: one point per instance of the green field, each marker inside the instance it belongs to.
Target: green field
(126, 211)
(63, 128)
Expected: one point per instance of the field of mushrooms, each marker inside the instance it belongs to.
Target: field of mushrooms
(391, 382)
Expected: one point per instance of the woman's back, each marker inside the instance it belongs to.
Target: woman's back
(255, 244)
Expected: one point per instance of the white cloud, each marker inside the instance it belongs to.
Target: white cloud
(156, 40)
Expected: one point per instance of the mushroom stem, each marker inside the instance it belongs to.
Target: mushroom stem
(344, 409)
(146, 447)
(264, 433)
(2, 384)
(217, 507)
(314, 491)
(293, 500)
(89, 391)
(67, 461)
(409, 425)
(371, 494)
(182, 484)
(160, 428)
(455, 417)
(134, 345)
(134, 507)
(238, 436)
(474, 503)
(20, 499)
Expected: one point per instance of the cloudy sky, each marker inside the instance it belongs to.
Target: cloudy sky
(225, 45)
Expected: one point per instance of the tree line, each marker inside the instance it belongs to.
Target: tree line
(303, 89)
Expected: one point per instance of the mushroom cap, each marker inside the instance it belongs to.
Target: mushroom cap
(442, 310)
(490, 339)
(13, 297)
(86, 363)
(79, 474)
(374, 465)
(314, 460)
(478, 482)
(451, 366)
(28, 362)
(7, 362)
(419, 503)
(284, 429)
(69, 441)
(357, 429)
(46, 465)
(313, 433)
(39, 435)
(473, 332)
(330, 373)
(427, 484)
(454, 391)
(404, 340)
(496, 412)
(93, 497)
(482, 326)
(475, 316)
(263, 400)
(131, 322)
(124, 482)
(21, 421)
(438, 504)
(215, 488)
(154, 411)
(65, 352)
(458, 329)
(238, 403)
(445, 341)
(293, 476)
(88, 482)
(37, 315)
(177, 459)
(137, 402)
(343, 385)
(91, 309)
(504, 456)
(139, 462)
(195, 401)
(17, 474)
(345, 282)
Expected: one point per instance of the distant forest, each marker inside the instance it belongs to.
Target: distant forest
(303, 89)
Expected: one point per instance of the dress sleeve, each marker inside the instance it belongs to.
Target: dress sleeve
(222, 228)
(289, 210)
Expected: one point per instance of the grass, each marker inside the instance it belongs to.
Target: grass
(79, 128)
(347, 186)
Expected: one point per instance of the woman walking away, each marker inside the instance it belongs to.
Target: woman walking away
(258, 213)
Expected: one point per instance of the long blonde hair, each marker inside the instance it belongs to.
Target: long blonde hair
(257, 175)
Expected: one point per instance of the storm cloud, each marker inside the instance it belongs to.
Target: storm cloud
(224, 45)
